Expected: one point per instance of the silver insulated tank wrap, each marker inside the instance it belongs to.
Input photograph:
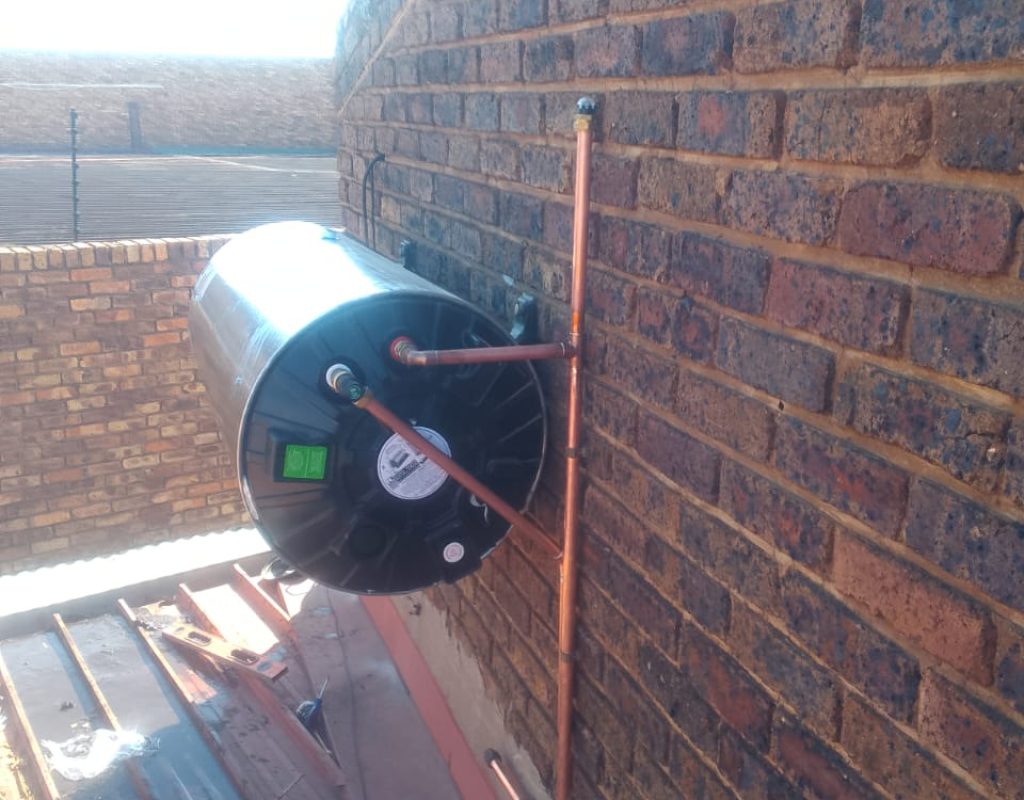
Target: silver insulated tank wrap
(333, 492)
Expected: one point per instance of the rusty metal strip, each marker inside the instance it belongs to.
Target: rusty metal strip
(138, 779)
(289, 723)
(266, 608)
(182, 692)
(23, 729)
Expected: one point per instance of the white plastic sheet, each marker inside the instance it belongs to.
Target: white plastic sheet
(90, 754)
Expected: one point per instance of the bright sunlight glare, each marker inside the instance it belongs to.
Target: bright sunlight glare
(236, 28)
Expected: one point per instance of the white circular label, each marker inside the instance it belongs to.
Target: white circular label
(453, 552)
(405, 472)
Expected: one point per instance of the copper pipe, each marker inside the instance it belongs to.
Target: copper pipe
(569, 572)
(493, 760)
(404, 350)
(368, 403)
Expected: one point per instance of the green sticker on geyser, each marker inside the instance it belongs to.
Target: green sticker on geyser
(303, 462)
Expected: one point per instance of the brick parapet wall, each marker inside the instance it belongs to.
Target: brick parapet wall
(804, 516)
(185, 105)
(106, 439)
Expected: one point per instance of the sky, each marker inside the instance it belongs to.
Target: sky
(249, 28)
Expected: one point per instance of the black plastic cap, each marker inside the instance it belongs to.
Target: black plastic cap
(586, 105)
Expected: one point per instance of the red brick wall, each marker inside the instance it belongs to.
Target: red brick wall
(804, 514)
(106, 440)
(206, 105)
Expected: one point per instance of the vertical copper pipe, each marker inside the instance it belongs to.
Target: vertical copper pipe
(567, 591)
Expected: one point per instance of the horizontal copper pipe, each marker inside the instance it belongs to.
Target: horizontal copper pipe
(403, 350)
(368, 403)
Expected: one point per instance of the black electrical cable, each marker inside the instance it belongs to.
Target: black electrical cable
(368, 179)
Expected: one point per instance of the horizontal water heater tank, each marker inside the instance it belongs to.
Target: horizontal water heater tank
(334, 493)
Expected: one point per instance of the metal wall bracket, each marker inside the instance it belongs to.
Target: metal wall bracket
(525, 327)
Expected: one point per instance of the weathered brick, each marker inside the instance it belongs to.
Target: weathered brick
(394, 109)
(686, 190)
(547, 273)
(972, 339)
(862, 312)
(481, 203)
(433, 66)
(900, 33)
(543, 167)
(636, 117)
(479, 18)
(482, 112)
(634, 486)
(724, 414)
(420, 109)
(794, 371)
(464, 64)
(610, 411)
(611, 298)
(499, 159)
(633, 247)
(463, 151)
(809, 688)
(607, 51)
(1013, 482)
(893, 759)
(1009, 662)
(693, 327)
(679, 457)
(731, 558)
(875, 127)
(548, 59)
(930, 226)
(503, 255)
(642, 373)
(732, 123)
(967, 540)
(444, 23)
(501, 62)
(873, 663)
(671, 688)
(693, 777)
(961, 435)
(774, 514)
(784, 205)
(848, 477)
(979, 738)
(980, 126)
(576, 10)
(650, 777)
(682, 581)
(695, 44)
(615, 632)
(521, 214)
(522, 113)
(940, 620)
(603, 719)
(796, 34)
(407, 71)
(815, 767)
(447, 110)
(613, 181)
(730, 275)
(750, 771)
(654, 315)
(518, 14)
(726, 686)
(647, 609)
